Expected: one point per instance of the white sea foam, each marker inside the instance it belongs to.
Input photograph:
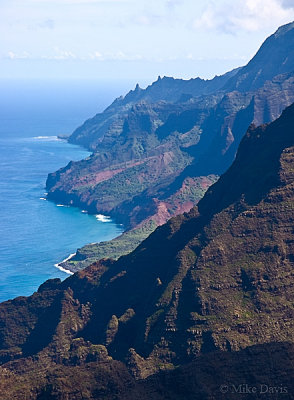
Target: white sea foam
(58, 265)
(67, 271)
(53, 138)
(61, 205)
(103, 218)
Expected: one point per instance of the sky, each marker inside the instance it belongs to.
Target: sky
(133, 39)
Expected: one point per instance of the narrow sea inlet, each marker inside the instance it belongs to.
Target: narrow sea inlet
(36, 234)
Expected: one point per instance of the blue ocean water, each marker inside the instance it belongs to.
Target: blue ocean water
(35, 234)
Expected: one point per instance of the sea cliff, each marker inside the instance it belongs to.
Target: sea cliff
(204, 303)
(157, 150)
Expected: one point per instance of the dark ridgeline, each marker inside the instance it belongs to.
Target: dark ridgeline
(210, 292)
(156, 151)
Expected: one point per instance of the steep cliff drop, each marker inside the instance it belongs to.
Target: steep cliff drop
(203, 308)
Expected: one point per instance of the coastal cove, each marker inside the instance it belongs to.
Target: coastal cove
(36, 234)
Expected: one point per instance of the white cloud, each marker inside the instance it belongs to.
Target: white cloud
(132, 30)
(246, 15)
(47, 24)
(116, 56)
(96, 55)
(60, 54)
(18, 56)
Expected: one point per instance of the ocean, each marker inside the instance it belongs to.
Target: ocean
(35, 234)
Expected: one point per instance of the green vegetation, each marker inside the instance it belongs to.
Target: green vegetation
(114, 248)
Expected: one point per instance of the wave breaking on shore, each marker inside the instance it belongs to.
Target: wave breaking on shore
(59, 265)
(103, 218)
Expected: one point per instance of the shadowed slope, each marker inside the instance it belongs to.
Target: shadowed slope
(156, 151)
(219, 278)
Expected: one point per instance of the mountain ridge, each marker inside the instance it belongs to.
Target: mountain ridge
(166, 89)
(155, 159)
(256, 72)
(211, 285)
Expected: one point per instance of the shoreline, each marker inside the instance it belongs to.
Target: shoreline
(67, 271)
(101, 218)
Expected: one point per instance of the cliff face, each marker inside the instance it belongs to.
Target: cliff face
(152, 168)
(277, 50)
(217, 279)
(132, 161)
(157, 150)
(166, 89)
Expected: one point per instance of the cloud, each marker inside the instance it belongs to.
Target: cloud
(47, 24)
(156, 13)
(57, 55)
(18, 56)
(246, 15)
(117, 56)
(148, 19)
(60, 54)
(287, 3)
(63, 55)
(172, 4)
(96, 55)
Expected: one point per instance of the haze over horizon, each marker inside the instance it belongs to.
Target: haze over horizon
(133, 40)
